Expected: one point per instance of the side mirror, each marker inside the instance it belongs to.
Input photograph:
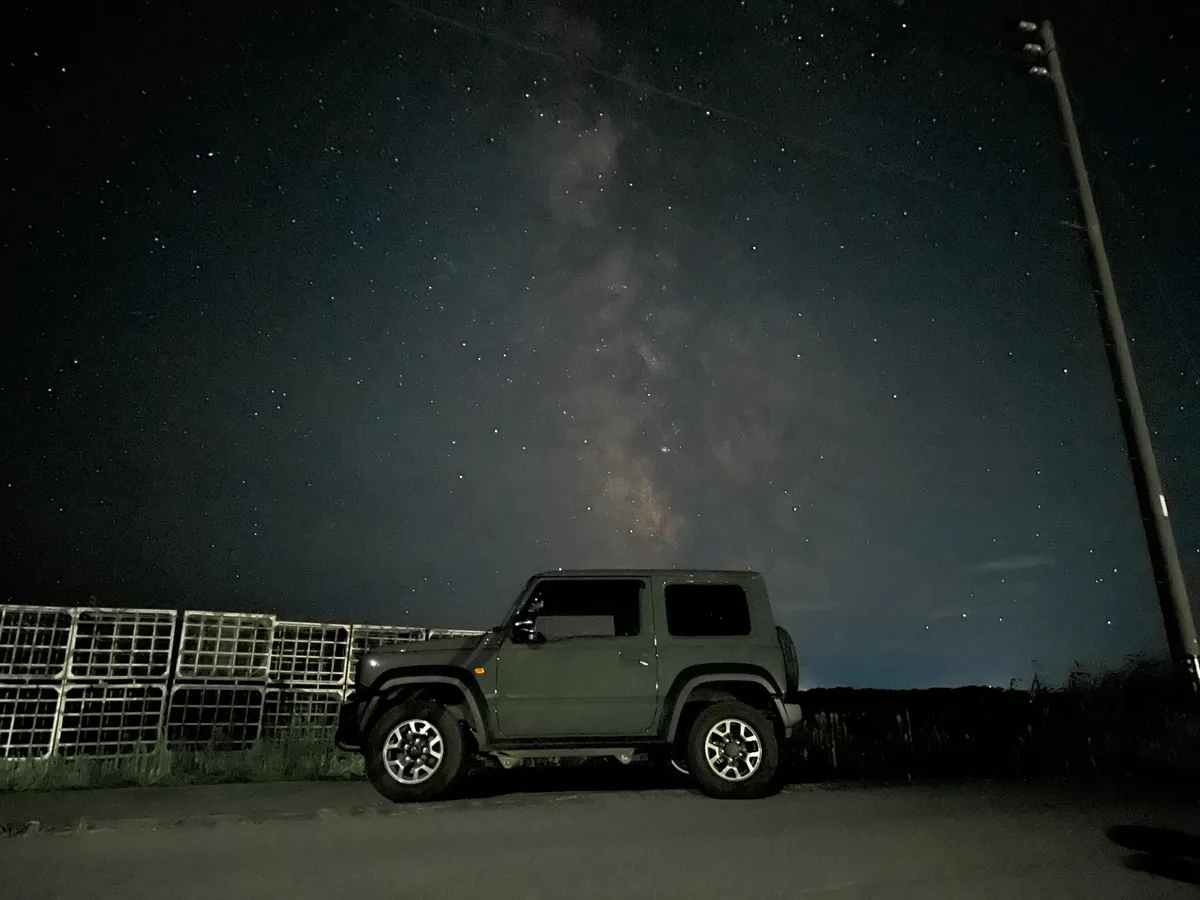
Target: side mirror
(524, 627)
(524, 631)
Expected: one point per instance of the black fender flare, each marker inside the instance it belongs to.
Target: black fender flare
(387, 685)
(686, 684)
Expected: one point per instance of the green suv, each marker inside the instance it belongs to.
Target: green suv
(686, 666)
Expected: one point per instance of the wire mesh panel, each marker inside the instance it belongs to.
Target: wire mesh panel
(310, 653)
(27, 716)
(122, 643)
(217, 717)
(35, 641)
(225, 646)
(300, 713)
(110, 719)
(452, 633)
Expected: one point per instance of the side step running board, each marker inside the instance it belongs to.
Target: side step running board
(510, 758)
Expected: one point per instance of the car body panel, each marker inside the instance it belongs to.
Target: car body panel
(582, 690)
(580, 686)
(681, 657)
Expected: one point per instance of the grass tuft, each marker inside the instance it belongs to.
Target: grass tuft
(300, 757)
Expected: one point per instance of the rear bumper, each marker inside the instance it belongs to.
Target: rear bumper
(349, 725)
(789, 714)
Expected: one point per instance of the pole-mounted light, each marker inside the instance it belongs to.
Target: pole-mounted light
(1172, 589)
(1034, 50)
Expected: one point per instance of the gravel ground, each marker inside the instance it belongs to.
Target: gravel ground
(327, 840)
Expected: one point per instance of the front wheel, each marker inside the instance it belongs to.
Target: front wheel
(733, 752)
(414, 752)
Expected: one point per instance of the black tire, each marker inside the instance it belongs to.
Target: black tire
(741, 720)
(666, 765)
(445, 773)
(791, 664)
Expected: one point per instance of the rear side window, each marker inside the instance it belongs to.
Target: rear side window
(707, 610)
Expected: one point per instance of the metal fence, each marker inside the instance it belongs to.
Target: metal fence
(115, 682)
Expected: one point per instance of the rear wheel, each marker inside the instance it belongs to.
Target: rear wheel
(414, 752)
(733, 752)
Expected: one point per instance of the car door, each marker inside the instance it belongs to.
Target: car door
(591, 673)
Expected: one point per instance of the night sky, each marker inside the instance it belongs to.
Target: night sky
(357, 314)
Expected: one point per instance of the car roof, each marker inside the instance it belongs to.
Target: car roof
(647, 573)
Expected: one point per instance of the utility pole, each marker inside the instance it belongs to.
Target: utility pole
(1172, 591)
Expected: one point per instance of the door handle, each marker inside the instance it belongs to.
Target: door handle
(634, 659)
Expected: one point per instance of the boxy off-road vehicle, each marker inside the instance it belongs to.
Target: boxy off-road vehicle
(684, 665)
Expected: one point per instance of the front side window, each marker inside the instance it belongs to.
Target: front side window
(707, 610)
(588, 608)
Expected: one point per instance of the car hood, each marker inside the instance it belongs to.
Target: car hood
(449, 651)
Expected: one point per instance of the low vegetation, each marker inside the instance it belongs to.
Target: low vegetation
(1136, 721)
(1132, 722)
(303, 758)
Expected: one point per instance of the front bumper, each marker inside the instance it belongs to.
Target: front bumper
(349, 725)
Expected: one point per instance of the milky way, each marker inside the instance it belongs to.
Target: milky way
(371, 315)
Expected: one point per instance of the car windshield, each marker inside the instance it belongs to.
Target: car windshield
(512, 609)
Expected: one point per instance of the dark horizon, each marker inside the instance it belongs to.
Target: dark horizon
(366, 316)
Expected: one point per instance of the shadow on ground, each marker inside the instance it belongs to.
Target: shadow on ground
(487, 779)
(493, 781)
(1160, 851)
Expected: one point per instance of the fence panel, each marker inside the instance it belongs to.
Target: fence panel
(112, 644)
(301, 713)
(114, 682)
(107, 720)
(28, 713)
(452, 633)
(214, 716)
(35, 642)
(310, 653)
(225, 646)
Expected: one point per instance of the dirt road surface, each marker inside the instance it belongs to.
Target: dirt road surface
(304, 842)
